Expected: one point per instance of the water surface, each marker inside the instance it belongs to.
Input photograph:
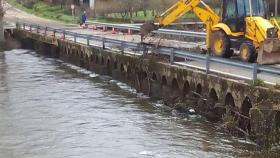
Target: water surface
(50, 109)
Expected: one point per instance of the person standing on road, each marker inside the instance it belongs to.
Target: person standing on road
(83, 19)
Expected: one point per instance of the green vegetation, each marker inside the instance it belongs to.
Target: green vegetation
(53, 12)
(257, 83)
(278, 19)
(142, 16)
(277, 86)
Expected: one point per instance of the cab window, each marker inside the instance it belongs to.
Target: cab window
(230, 10)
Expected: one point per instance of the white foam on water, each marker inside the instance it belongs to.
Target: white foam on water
(78, 69)
(145, 152)
(121, 85)
(93, 75)
(126, 87)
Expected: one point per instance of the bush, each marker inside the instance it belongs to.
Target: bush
(28, 3)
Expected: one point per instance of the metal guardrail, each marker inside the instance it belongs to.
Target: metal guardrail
(180, 33)
(171, 52)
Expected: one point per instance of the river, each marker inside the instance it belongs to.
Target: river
(51, 109)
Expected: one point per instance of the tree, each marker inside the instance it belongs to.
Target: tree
(2, 13)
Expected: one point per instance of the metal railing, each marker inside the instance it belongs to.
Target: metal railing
(181, 33)
(143, 48)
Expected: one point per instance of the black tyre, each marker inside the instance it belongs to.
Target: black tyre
(247, 52)
(220, 44)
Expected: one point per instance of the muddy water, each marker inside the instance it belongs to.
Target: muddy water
(50, 109)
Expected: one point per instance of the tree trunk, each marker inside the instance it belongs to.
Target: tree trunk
(276, 7)
(2, 38)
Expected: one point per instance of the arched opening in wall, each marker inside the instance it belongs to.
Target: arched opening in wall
(230, 105)
(175, 88)
(229, 101)
(277, 120)
(122, 68)
(163, 81)
(128, 70)
(198, 89)
(81, 60)
(213, 97)
(144, 75)
(68, 51)
(137, 72)
(86, 61)
(108, 65)
(115, 64)
(154, 76)
(102, 61)
(138, 75)
(86, 58)
(186, 88)
(175, 85)
(57, 52)
(77, 54)
(91, 58)
(96, 59)
(244, 118)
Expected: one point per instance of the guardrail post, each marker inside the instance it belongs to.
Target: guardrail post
(255, 72)
(63, 35)
(18, 25)
(88, 41)
(172, 56)
(122, 47)
(145, 49)
(30, 28)
(75, 38)
(23, 26)
(54, 31)
(207, 63)
(46, 29)
(38, 27)
(103, 43)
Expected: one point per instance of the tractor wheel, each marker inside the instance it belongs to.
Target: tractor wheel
(247, 52)
(220, 44)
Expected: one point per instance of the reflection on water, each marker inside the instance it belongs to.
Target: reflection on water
(52, 109)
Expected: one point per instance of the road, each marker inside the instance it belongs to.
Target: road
(14, 15)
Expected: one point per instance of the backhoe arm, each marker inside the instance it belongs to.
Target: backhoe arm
(180, 8)
(203, 12)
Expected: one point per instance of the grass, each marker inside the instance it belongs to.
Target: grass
(257, 83)
(278, 19)
(44, 10)
(140, 16)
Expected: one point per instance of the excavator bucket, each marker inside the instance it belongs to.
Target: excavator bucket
(147, 28)
(269, 52)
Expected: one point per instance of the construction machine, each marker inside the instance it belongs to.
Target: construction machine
(241, 25)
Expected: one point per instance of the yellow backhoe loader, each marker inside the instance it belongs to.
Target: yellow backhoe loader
(242, 25)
